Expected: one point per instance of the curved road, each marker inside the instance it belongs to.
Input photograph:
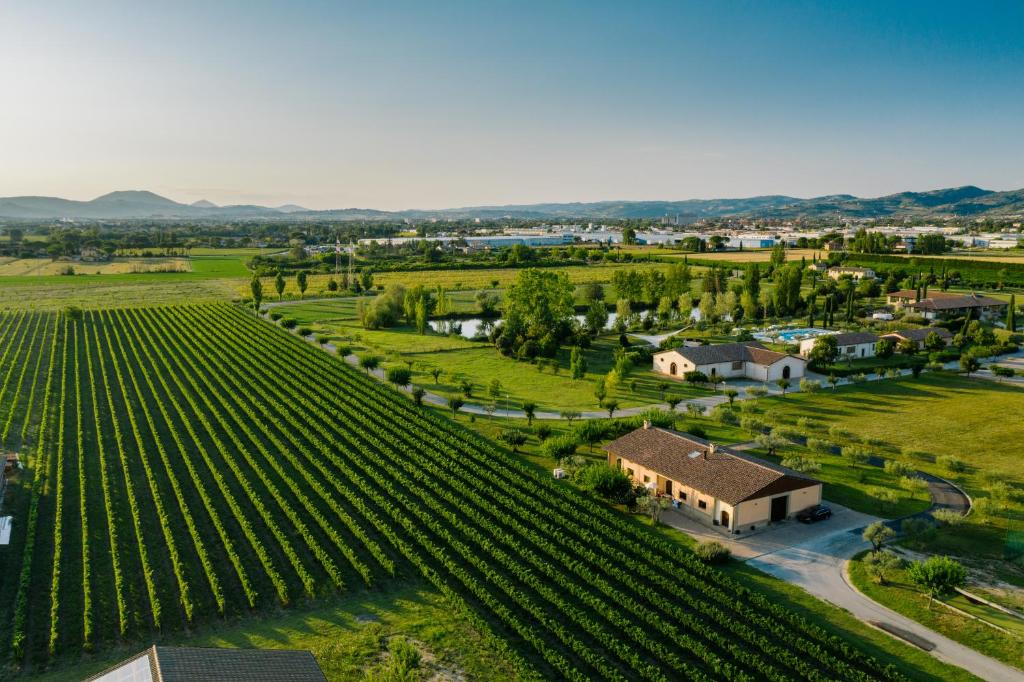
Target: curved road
(819, 565)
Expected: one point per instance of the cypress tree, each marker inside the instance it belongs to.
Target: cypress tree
(1011, 314)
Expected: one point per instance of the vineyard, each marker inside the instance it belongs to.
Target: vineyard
(190, 463)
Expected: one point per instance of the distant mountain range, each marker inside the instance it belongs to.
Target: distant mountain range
(966, 201)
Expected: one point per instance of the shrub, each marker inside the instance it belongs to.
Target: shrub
(948, 517)
(810, 385)
(804, 465)
(723, 415)
(952, 464)
(838, 432)
(542, 432)
(559, 447)
(304, 331)
(712, 552)
(275, 316)
(607, 482)
(289, 323)
(805, 424)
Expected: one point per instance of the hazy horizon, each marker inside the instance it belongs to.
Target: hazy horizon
(414, 106)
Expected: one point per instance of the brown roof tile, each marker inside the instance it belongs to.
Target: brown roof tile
(730, 476)
(749, 351)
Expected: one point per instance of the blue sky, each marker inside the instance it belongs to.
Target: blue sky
(398, 105)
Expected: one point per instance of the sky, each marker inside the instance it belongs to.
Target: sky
(438, 104)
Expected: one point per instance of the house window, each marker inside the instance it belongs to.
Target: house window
(618, 462)
(682, 495)
(737, 365)
(630, 472)
(703, 504)
(849, 350)
(647, 479)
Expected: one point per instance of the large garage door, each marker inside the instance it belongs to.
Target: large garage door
(780, 507)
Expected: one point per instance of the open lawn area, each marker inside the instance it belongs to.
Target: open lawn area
(119, 284)
(900, 595)
(349, 637)
(41, 267)
(455, 280)
(459, 359)
(923, 421)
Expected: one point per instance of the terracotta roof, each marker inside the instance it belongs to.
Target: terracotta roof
(954, 302)
(911, 293)
(750, 351)
(921, 333)
(732, 477)
(853, 338)
(188, 664)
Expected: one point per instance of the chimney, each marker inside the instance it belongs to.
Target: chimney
(710, 451)
(647, 424)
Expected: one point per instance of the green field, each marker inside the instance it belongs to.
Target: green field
(192, 464)
(939, 414)
(900, 595)
(460, 359)
(349, 635)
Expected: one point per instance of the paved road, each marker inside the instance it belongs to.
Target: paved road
(818, 562)
(820, 567)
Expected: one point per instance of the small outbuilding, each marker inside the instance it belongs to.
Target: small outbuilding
(188, 664)
(712, 484)
(851, 345)
(919, 335)
(745, 360)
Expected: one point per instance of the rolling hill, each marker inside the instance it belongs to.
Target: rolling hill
(967, 201)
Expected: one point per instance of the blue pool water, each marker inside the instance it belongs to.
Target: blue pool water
(790, 335)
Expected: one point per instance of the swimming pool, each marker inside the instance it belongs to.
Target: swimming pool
(790, 335)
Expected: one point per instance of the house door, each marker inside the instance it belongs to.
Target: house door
(672, 369)
(668, 487)
(780, 507)
(785, 372)
(725, 518)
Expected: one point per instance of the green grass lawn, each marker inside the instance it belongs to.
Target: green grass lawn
(480, 363)
(936, 415)
(347, 636)
(988, 614)
(900, 595)
(855, 487)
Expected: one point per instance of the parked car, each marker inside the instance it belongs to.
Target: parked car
(816, 513)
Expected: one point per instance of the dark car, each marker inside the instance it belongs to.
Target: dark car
(816, 513)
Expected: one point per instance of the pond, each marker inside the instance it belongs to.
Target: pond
(471, 327)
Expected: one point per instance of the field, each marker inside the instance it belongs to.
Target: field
(904, 597)
(209, 278)
(349, 635)
(460, 359)
(920, 420)
(748, 256)
(483, 278)
(41, 267)
(192, 463)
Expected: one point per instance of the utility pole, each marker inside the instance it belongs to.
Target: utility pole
(337, 257)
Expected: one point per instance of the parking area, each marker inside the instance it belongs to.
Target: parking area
(774, 537)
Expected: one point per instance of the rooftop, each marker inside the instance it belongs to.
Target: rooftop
(852, 338)
(921, 333)
(954, 302)
(732, 477)
(187, 664)
(749, 351)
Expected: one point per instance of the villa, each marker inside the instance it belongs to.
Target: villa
(746, 360)
(943, 305)
(850, 344)
(714, 485)
(856, 273)
(918, 336)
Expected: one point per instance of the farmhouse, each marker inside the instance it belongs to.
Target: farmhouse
(181, 664)
(748, 360)
(918, 336)
(850, 344)
(942, 305)
(714, 485)
(856, 273)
